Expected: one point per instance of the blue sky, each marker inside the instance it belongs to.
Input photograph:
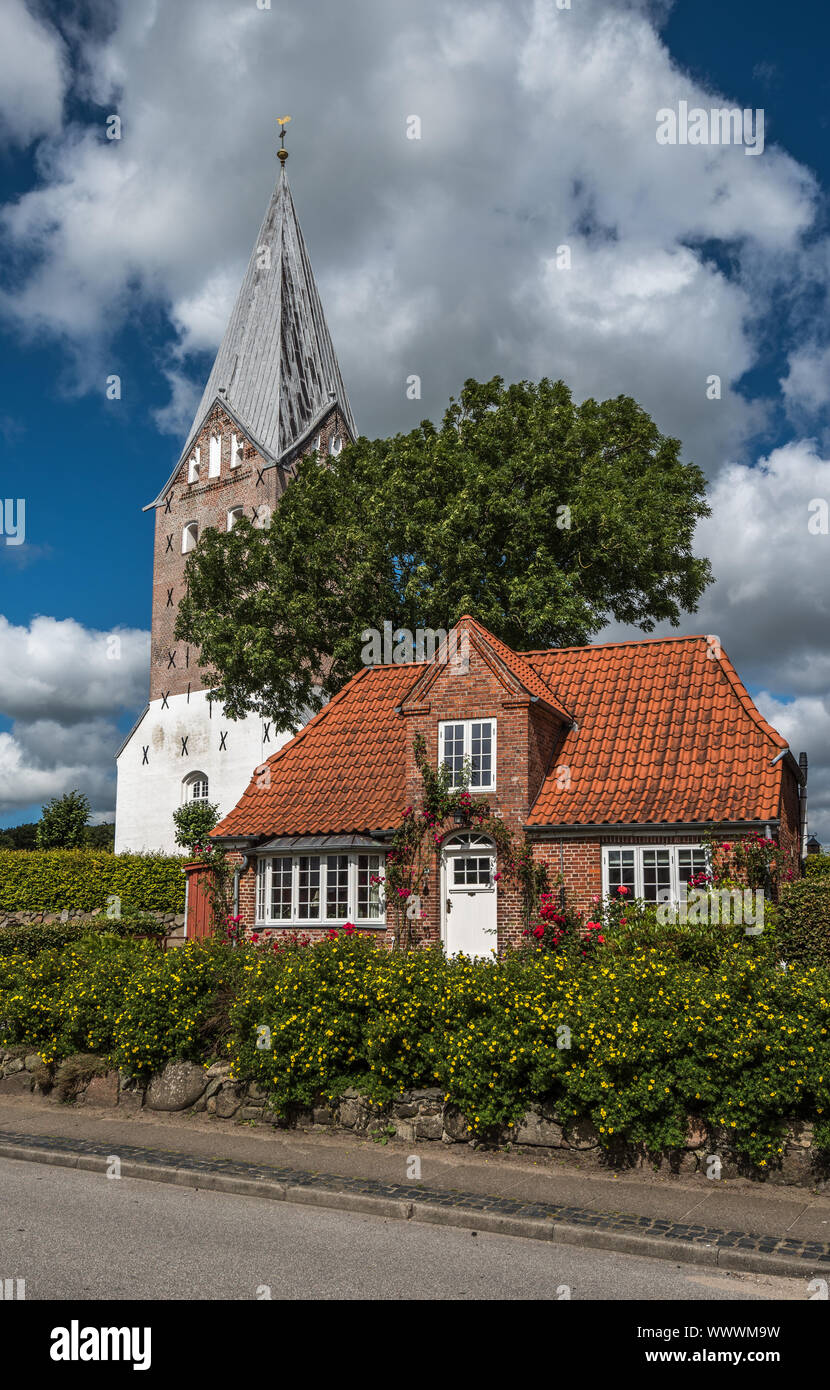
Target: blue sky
(123, 257)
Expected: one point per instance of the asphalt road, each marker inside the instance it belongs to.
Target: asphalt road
(77, 1235)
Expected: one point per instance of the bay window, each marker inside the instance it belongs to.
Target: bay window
(320, 889)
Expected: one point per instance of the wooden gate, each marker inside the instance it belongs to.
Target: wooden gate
(199, 919)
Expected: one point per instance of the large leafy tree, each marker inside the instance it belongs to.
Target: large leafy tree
(541, 518)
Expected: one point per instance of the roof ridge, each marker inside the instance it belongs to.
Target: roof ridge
(619, 642)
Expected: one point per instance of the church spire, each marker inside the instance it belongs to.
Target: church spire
(276, 372)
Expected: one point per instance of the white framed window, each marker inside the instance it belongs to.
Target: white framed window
(215, 456)
(236, 451)
(190, 536)
(336, 444)
(235, 514)
(193, 465)
(469, 743)
(320, 889)
(195, 787)
(656, 873)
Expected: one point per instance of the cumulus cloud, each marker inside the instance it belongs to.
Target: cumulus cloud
(32, 75)
(435, 256)
(64, 686)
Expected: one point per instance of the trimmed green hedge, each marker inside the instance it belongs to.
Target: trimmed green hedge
(50, 880)
(804, 922)
(817, 866)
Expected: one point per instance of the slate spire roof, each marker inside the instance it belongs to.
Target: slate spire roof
(276, 371)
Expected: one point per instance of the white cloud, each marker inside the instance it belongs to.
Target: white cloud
(32, 75)
(62, 670)
(64, 685)
(433, 255)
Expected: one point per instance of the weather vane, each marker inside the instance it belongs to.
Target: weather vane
(282, 152)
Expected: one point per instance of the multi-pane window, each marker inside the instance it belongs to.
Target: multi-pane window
(281, 890)
(369, 896)
(337, 886)
(690, 863)
(308, 897)
(473, 872)
(658, 873)
(320, 888)
(469, 745)
(620, 869)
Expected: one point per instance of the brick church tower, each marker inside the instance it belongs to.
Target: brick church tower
(275, 393)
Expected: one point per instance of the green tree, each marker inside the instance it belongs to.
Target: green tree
(19, 836)
(100, 836)
(194, 822)
(541, 518)
(62, 822)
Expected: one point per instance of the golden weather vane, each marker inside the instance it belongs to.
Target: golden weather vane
(282, 152)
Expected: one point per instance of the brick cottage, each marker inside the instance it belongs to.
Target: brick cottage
(611, 761)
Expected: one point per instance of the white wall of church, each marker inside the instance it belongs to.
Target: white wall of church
(172, 742)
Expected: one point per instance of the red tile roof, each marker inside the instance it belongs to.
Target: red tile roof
(654, 731)
(665, 732)
(345, 770)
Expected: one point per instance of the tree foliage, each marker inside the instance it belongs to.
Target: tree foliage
(62, 824)
(541, 518)
(194, 822)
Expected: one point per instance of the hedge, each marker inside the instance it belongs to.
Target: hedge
(804, 922)
(633, 1044)
(83, 879)
(817, 866)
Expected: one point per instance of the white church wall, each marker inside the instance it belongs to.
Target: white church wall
(172, 742)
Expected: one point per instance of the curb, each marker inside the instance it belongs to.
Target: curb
(656, 1239)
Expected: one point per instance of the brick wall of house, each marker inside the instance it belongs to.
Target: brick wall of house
(174, 666)
(789, 836)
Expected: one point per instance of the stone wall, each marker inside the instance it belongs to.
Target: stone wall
(414, 1117)
(174, 921)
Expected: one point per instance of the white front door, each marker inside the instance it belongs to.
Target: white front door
(469, 897)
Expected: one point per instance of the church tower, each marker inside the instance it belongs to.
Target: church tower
(274, 394)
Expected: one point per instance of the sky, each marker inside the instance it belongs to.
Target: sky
(437, 256)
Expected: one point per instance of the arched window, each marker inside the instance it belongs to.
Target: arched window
(236, 451)
(235, 514)
(335, 444)
(468, 839)
(195, 787)
(193, 466)
(190, 536)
